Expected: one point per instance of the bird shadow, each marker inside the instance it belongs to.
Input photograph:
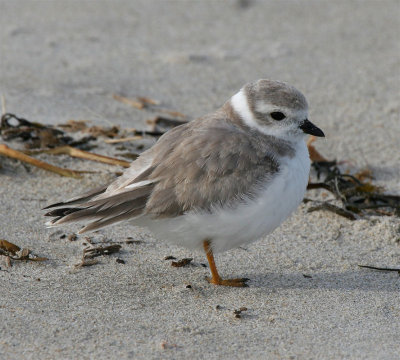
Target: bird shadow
(348, 280)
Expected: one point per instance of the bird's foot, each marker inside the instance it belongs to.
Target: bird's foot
(240, 282)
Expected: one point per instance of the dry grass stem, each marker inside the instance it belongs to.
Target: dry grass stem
(81, 154)
(121, 140)
(18, 155)
(136, 104)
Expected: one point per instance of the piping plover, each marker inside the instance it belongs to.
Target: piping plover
(218, 182)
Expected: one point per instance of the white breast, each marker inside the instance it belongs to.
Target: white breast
(232, 227)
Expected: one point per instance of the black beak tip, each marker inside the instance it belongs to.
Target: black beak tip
(309, 128)
(318, 132)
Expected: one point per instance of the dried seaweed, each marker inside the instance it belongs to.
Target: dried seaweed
(182, 262)
(364, 174)
(358, 196)
(14, 252)
(35, 135)
(12, 127)
(48, 139)
(94, 251)
(8, 248)
(89, 254)
(97, 131)
(74, 125)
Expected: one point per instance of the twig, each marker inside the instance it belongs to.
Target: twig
(333, 208)
(71, 151)
(137, 104)
(116, 141)
(147, 100)
(6, 151)
(379, 268)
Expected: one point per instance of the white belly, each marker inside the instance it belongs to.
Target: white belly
(228, 228)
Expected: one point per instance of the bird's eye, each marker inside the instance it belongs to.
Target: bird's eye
(277, 115)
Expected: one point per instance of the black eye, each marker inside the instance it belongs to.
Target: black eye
(276, 115)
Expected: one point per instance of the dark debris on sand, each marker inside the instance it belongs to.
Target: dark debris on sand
(357, 196)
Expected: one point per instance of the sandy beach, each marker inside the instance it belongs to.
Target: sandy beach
(307, 298)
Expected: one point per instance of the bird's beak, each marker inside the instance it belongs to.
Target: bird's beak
(309, 128)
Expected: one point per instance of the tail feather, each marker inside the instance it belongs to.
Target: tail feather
(104, 211)
(62, 212)
(131, 214)
(79, 199)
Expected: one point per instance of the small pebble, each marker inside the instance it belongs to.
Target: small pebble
(72, 237)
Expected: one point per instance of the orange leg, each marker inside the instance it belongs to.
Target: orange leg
(215, 278)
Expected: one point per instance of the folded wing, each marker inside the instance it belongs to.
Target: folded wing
(185, 170)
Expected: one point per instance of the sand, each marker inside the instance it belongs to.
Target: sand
(307, 298)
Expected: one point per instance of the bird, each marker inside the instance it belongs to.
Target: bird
(220, 181)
